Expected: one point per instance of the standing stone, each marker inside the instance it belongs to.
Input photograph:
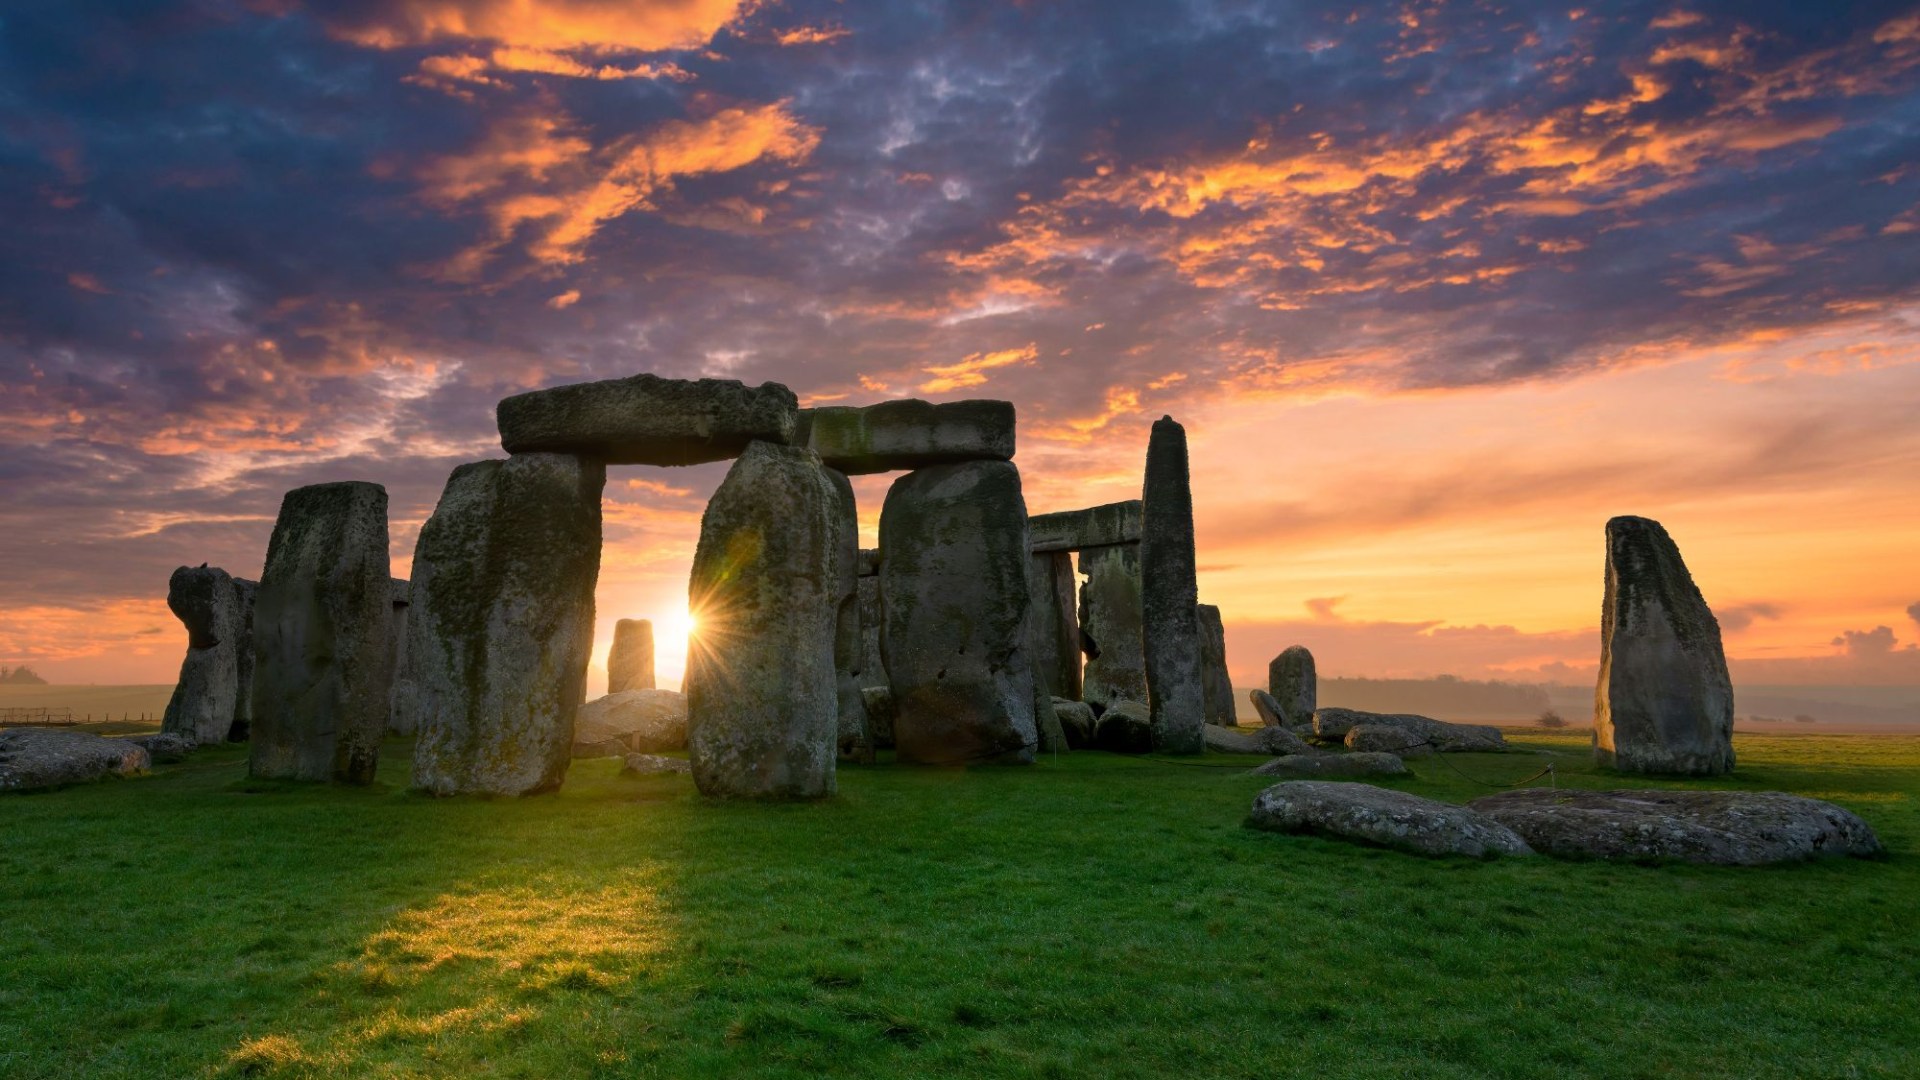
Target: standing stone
(205, 700)
(1169, 594)
(1055, 630)
(502, 623)
(1110, 629)
(244, 592)
(323, 625)
(762, 698)
(1292, 682)
(1215, 684)
(402, 598)
(1664, 703)
(953, 593)
(630, 659)
(847, 645)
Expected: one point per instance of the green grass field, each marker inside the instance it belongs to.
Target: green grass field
(1090, 916)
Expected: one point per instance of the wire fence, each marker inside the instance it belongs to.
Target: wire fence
(22, 716)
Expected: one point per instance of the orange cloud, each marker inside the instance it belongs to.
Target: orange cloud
(651, 26)
(969, 372)
(534, 171)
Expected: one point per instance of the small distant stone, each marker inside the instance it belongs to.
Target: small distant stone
(1726, 828)
(654, 765)
(1274, 714)
(1380, 816)
(1334, 765)
(164, 747)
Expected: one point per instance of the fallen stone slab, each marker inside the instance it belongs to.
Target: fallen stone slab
(1372, 815)
(1271, 741)
(1125, 727)
(1725, 828)
(1386, 739)
(648, 420)
(165, 747)
(1449, 738)
(1095, 526)
(1334, 765)
(910, 434)
(1076, 721)
(640, 721)
(654, 765)
(33, 759)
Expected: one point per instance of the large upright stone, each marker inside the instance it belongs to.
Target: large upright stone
(1215, 684)
(953, 589)
(630, 658)
(323, 637)
(1110, 631)
(501, 625)
(847, 644)
(1664, 703)
(206, 700)
(648, 420)
(762, 698)
(1169, 593)
(1095, 526)
(402, 599)
(245, 593)
(910, 434)
(1054, 631)
(1292, 682)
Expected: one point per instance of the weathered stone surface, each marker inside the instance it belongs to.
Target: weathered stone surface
(873, 672)
(1222, 740)
(762, 698)
(1054, 628)
(631, 721)
(32, 759)
(1334, 723)
(869, 562)
(1125, 727)
(1076, 722)
(1334, 765)
(397, 711)
(1273, 714)
(1110, 626)
(1053, 735)
(910, 434)
(1292, 682)
(165, 746)
(323, 648)
(654, 765)
(630, 657)
(648, 420)
(849, 651)
(953, 589)
(880, 714)
(1379, 816)
(206, 701)
(1729, 828)
(1095, 526)
(244, 592)
(1279, 741)
(1664, 703)
(1216, 686)
(501, 626)
(1169, 594)
(1386, 739)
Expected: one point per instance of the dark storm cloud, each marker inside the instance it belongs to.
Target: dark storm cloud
(257, 244)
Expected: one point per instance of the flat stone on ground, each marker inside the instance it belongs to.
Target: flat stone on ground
(1727, 828)
(1372, 815)
(654, 765)
(1385, 738)
(633, 720)
(648, 420)
(1333, 722)
(1334, 765)
(32, 759)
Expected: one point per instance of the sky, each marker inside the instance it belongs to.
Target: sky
(1436, 289)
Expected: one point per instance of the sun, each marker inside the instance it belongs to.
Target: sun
(671, 633)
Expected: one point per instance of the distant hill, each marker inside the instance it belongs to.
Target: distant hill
(1445, 697)
(20, 676)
